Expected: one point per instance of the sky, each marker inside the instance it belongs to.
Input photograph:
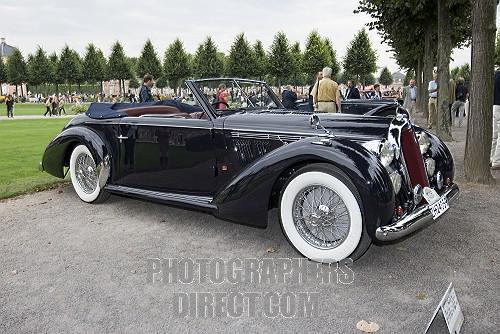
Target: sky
(54, 23)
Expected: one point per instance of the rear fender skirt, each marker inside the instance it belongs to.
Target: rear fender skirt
(53, 158)
(245, 199)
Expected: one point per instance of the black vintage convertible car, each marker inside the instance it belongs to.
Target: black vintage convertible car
(340, 181)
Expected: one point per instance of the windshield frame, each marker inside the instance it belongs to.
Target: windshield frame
(236, 82)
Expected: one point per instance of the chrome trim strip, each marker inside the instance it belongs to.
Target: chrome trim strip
(413, 221)
(203, 201)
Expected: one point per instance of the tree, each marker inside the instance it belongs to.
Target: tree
(414, 44)
(479, 129)
(296, 64)
(207, 60)
(161, 83)
(53, 73)
(360, 59)
(497, 50)
(241, 61)
(3, 75)
(16, 70)
(316, 55)
(134, 83)
(260, 60)
(148, 62)
(38, 68)
(94, 66)
(280, 58)
(385, 77)
(333, 63)
(176, 66)
(69, 69)
(119, 67)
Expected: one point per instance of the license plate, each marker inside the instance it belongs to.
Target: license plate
(440, 207)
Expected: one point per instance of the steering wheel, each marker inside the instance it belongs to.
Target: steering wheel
(215, 103)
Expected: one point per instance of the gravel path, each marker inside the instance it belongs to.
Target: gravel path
(71, 267)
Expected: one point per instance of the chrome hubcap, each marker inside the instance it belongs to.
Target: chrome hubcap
(321, 217)
(85, 171)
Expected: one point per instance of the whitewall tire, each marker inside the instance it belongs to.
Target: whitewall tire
(321, 215)
(84, 176)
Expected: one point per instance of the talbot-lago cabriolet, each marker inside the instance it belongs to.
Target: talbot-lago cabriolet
(339, 181)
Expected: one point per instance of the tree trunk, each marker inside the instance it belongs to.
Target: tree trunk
(479, 127)
(428, 67)
(22, 91)
(421, 89)
(101, 88)
(443, 116)
(1, 90)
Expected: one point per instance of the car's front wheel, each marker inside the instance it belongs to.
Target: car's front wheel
(321, 216)
(84, 176)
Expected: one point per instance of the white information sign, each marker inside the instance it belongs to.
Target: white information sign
(451, 311)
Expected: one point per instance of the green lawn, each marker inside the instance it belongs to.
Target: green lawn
(22, 143)
(21, 109)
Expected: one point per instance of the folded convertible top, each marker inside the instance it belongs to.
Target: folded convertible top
(115, 110)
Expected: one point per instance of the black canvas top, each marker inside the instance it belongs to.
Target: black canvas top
(114, 110)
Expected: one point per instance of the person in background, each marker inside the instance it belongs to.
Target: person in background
(55, 105)
(495, 143)
(48, 105)
(410, 98)
(318, 77)
(458, 106)
(60, 107)
(145, 91)
(352, 92)
(378, 93)
(221, 97)
(451, 95)
(326, 94)
(289, 98)
(9, 102)
(433, 95)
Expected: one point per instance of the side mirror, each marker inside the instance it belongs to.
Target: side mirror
(314, 121)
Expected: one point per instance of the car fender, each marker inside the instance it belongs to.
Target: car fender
(246, 198)
(56, 153)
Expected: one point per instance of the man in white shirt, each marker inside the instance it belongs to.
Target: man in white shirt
(433, 95)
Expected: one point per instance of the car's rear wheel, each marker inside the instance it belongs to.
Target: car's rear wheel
(321, 215)
(84, 176)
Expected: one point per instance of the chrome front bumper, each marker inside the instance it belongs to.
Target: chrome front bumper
(413, 221)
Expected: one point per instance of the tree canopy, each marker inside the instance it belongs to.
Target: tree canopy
(360, 59)
(241, 61)
(119, 68)
(316, 55)
(260, 60)
(207, 60)
(176, 65)
(280, 58)
(38, 68)
(69, 68)
(16, 68)
(3, 75)
(148, 62)
(94, 65)
(385, 77)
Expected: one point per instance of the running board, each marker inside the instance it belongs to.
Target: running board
(192, 200)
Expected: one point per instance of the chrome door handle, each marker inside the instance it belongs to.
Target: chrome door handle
(121, 138)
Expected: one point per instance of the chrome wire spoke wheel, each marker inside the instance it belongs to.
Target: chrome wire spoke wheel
(85, 176)
(320, 214)
(86, 173)
(321, 217)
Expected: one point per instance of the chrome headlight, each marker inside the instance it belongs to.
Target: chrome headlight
(424, 142)
(430, 166)
(386, 154)
(396, 181)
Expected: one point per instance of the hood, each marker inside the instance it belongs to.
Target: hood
(359, 128)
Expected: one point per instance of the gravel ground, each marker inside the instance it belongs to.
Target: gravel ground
(71, 267)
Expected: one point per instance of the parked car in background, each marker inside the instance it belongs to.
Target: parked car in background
(339, 181)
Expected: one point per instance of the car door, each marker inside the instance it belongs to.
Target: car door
(167, 154)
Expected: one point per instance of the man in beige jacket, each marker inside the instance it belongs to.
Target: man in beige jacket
(326, 93)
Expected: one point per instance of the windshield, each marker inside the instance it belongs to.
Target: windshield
(229, 95)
